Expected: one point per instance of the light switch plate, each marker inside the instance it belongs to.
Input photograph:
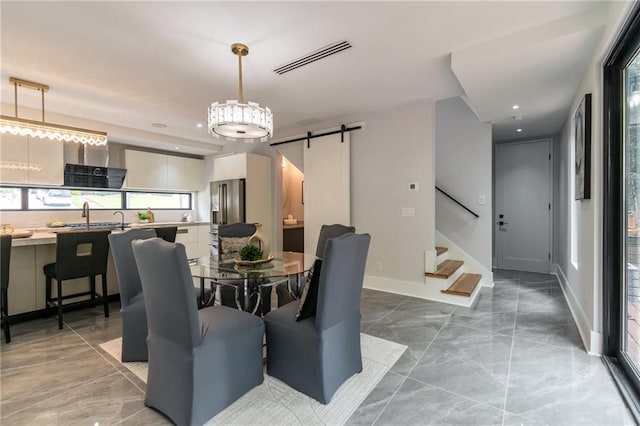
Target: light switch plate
(482, 200)
(408, 211)
(413, 186)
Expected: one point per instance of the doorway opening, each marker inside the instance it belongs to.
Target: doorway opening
(292, 207)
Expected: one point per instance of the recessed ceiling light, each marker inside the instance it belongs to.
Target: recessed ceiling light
(177, 147)
(517, 117)
(515, 106)
(159, 125)
(518, 130)
(199, 125)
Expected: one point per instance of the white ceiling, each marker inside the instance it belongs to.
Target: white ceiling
(130, 64)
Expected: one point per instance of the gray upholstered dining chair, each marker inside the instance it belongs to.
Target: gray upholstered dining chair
(331, 231)
(326, 232)
(167, 233)
(317, 354)
(134, 315)
(199, 361)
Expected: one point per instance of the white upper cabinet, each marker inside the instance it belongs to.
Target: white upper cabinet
(230, 167)
(145, 170)
(185, 173)
(148, 170)
(31, 160)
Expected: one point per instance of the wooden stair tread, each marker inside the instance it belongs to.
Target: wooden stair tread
(464, 285)
(445, 269)
(440, 250)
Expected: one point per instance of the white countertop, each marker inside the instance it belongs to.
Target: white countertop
(46, 236)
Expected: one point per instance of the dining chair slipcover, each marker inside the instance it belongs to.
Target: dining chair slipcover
(326, 232)
(316, 355)
(199, 361)
(167, 233)
(134, 315)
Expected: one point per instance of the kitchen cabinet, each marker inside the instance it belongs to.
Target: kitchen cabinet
(293, 238)
(149, 170)
(146, 170)
(256, 170)
(185, 173)
(27, 281)
(29, 160)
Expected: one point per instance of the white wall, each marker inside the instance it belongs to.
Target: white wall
(463, 169)
(397, 147)
(583, 285)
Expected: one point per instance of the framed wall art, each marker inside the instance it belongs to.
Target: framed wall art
(582, 138)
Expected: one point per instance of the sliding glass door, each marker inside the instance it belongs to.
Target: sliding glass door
(621, 215)
(631, 288)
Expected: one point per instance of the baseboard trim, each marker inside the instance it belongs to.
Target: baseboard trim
(592, 340)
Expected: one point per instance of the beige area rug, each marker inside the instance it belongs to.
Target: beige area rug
(275, 403)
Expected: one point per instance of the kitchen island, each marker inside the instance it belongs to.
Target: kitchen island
(26, 292)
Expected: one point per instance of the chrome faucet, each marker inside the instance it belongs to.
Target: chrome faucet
(85, 212)
(122, 221)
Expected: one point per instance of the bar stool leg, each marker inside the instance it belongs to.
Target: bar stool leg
(105, 301)
(59, 304)
(5, 316)
(92, 281)
(47, 301)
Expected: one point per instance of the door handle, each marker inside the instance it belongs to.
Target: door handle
(502, 223)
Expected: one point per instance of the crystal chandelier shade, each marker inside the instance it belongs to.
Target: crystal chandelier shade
(43, 130)
(235, 119)
(36, 129)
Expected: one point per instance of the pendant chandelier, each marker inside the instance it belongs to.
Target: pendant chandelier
(42, 129)
(236, 120)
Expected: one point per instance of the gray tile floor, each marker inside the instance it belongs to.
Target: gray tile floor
(514, 358)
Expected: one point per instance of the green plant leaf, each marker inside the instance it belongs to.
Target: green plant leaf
(250, 253)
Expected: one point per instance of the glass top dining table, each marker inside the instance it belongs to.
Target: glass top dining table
(285, 267)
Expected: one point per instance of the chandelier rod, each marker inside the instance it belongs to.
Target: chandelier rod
(26, 83)
(240, 50)
(240, 97)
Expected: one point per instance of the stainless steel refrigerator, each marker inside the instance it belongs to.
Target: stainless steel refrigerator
(227, 206)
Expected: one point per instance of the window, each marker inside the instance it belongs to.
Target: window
(72, 199)
(158, 200)
(10, 199)
(23, 198)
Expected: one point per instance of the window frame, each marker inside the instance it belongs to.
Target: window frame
(123, 198)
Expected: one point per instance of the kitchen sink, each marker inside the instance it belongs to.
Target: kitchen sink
(92, 225)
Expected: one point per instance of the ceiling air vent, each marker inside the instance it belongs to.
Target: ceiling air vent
(329, 50)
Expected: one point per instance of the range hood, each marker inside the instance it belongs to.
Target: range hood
(87, 167)
(80, 175)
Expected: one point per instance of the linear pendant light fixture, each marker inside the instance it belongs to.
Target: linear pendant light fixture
(236, 120)
(42, 129)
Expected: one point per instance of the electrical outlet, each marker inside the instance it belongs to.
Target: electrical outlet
(379, 266)
(408, 211)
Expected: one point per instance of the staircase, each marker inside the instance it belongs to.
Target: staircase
(449, 283)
